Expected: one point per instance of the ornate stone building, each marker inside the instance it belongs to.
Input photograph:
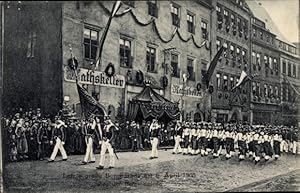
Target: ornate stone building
(231, 27)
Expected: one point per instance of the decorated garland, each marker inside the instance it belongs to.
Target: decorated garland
(152, 20)
(139, 77)
(109, 70)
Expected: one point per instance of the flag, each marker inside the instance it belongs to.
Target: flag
(243, 78)
(89, 105)
(293, 87)
(213, 65)
(115, 9)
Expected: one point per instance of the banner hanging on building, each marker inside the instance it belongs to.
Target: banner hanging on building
(177, 89)
(98, 78)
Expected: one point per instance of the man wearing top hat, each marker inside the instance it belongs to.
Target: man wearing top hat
(107, 143)
(58, 134)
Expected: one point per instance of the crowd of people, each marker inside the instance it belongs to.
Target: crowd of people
(30, 136)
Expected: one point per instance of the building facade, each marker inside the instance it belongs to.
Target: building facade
(265, 86)
(161, 42)
(156, 41)
(290, 83)
(231, 26)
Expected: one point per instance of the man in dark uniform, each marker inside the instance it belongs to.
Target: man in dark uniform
(58, 134)
(32, 141)
(107, 143)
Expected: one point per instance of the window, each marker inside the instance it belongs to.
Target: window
(276, 66)
(129, 3)
(253, 58)
(258, 59)
(218, 9)
(266, 90)
(231, 82)
(218, 43)
(218, 81)
(190, 23)
(225, 13)
(125, 52)
(31, 44)
(204, 30)
(90, 43)
(150, 59)
(276, 92)
(175, 12)
(254, 32)
(283, 94)
(294, 70)
(266, 60)
(225, 82)
(270, 63)
(174, 64)
(289, 69)
(254, 88)
(283, 67)
(190, 69)
(152, 8)
(261, 35)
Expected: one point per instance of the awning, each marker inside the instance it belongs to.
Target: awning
(149, 104)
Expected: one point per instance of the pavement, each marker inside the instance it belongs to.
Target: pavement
(135, 172)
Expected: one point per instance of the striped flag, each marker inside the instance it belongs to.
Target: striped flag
(89, 105)
(115, 9)
(243, 78)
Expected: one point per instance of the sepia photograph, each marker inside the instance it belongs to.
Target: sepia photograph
(150, 96)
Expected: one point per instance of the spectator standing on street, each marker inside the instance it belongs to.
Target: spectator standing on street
(42, 139)
(22, 145)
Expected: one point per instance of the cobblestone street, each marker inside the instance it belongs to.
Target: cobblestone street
(136, 173)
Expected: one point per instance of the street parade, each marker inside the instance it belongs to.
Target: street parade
(30, 136)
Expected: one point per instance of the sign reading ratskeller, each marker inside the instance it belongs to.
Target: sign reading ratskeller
(87, 76)
(188, 91)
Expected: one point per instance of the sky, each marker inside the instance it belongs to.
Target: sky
(285, 14)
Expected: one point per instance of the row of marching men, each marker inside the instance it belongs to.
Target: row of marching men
(254, 141)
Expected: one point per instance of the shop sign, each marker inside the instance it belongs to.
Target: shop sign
(98, 78)
(188, 91)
